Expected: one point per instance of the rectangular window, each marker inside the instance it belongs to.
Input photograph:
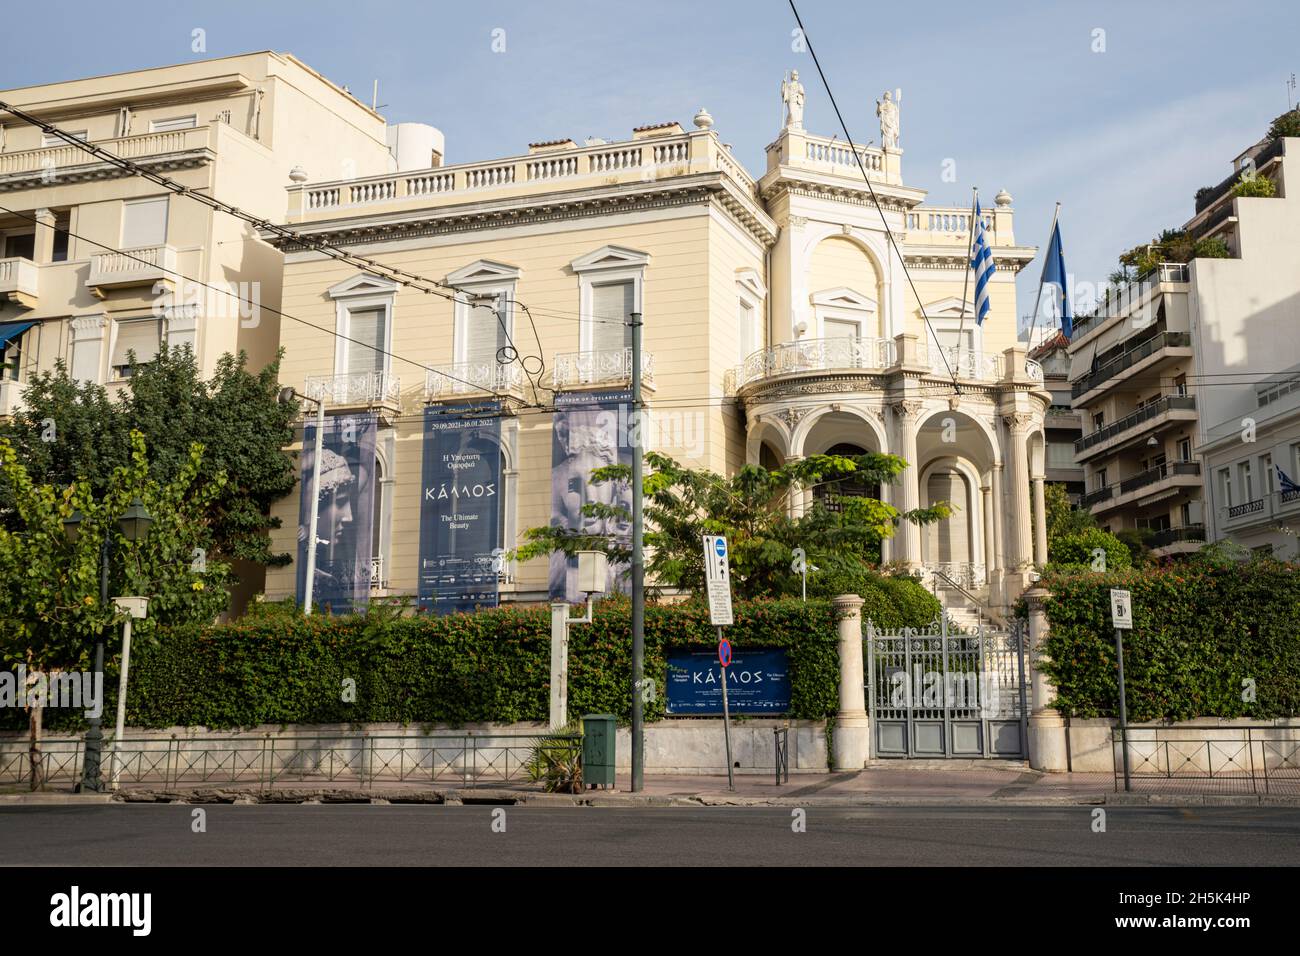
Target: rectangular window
(1180, 385)
(839, 329)
(175, 122)
(62, 226)
(611, 305)
(20, 247)
(1101, 479)
(367, 344)
(1245, 478)
(485, 327)
(1098, 420)
(11, 359)
(144, 222)
(138, 336)
(1266, 474)
(1225, 485)
(1185, 511)
(85, 360)
(748, 340)
(49, 139)
(1184, 449)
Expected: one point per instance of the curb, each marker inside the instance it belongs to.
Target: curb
(54, 799)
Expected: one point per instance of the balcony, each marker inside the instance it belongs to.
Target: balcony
(1096, 497)
(1256, 506)
(356, 390)
(142, 266)
(20, 281)
(601, 367)
(1215, 194)
(1185, 538)
(645, 160)
(444, 382)
(1063, 416)
(1171, 408)
(949, 360)
(1128, 297)
(1163, 474)
(1161, 346)
(65, 163)
(816, 355)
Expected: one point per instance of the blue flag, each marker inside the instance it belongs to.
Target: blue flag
(1055, 276)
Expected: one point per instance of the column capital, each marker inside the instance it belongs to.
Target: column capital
(907, 410)
(1018, 422)
(847, 603)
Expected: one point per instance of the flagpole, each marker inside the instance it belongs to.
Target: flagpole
(1038, 299)
(970, 244)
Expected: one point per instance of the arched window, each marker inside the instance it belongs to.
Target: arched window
(846, 487)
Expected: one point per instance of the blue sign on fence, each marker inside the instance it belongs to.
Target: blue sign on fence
(758, 682)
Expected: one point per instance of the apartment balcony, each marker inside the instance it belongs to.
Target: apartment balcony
(1092, 499)
(1247, 513)
(357, 391)
(604, 367)
(1177, 540)
(1149, 485)
(142, 266)
(445, 382)
(1127, 299)
(20, 281)
(1147, 357)
(65, 163)
(1148, 420)
(1063, 417)
(1222, 193)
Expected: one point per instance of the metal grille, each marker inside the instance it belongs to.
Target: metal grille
(938, 692)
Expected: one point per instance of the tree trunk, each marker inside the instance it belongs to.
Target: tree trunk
(35, 712)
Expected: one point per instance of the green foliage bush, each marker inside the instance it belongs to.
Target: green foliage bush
(1199, 633)
(1258, 186)
(1288, 124)
(1074, 551)
(491, 666)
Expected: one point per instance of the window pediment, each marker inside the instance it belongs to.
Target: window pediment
(611, 257)
(363, 284)
(949, 308)
(748, 279)
(843, 298)
(483, 271)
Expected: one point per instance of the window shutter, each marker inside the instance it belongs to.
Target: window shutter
(366, 346)
(139, 336)
(144, 223)
(85, 360)
(484, 334)
(610, 307)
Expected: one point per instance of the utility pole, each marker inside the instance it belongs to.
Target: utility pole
(638, 570)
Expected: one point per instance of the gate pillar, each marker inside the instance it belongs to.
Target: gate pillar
(851, 742)
(1047, 741)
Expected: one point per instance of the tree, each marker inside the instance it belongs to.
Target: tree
(51, 611)
(1062, 517)
(68, 432)
(1081, 551)
(752, 509)
(1288, 124)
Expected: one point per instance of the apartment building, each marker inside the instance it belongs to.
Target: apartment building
(1182, 378)
(777, 320)
(1062, 424)
(96, 262)
(1245, 324)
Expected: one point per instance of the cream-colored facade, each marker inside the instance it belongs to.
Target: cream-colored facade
(96, 262)
(778, 322)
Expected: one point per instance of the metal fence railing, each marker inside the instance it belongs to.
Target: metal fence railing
(781, 737)
(1247, 759)
(468, 760)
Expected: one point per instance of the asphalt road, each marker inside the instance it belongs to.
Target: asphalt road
(360, 835)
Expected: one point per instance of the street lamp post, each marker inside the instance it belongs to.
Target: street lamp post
(134, 525)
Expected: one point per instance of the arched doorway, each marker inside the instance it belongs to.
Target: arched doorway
(851, 487)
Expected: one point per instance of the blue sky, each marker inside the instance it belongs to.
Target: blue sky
(1012, 92)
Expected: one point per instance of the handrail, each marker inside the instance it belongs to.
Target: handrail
(980, 610)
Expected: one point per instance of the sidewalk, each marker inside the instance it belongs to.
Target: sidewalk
(917, 783)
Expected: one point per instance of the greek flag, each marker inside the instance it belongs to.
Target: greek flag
(981, 260)
(1284, 483)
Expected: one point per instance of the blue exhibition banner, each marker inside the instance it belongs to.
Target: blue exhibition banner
(589, 431)
(758, 682)
(345, 520)
(460, 507)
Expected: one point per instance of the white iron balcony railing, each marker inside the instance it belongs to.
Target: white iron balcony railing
(356, 388)
(602, 367)
(950, 360)
(816, 355)
(471, 378)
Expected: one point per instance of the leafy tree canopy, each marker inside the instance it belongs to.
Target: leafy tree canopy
(68, 431)
(752, 509)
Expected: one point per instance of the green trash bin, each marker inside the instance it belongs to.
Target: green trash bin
(598, 747)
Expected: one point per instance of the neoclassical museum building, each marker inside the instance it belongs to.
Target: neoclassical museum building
(778, 320)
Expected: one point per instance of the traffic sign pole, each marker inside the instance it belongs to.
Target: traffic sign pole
(726, 714)
(1123, 707)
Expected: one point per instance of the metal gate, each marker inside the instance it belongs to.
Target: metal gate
(940, 692)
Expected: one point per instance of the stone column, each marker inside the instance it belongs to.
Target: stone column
(1040, 523)
(798, 503)
(851, 744)
(990, 555)
(1047, 741)
(44, 253)
(1021, 543)
(906, 414)
(999, 523)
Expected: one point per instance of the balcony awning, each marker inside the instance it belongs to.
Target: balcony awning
(11, 330)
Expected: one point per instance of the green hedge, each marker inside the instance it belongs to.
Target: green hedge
(275, 666)
(1198, 634)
